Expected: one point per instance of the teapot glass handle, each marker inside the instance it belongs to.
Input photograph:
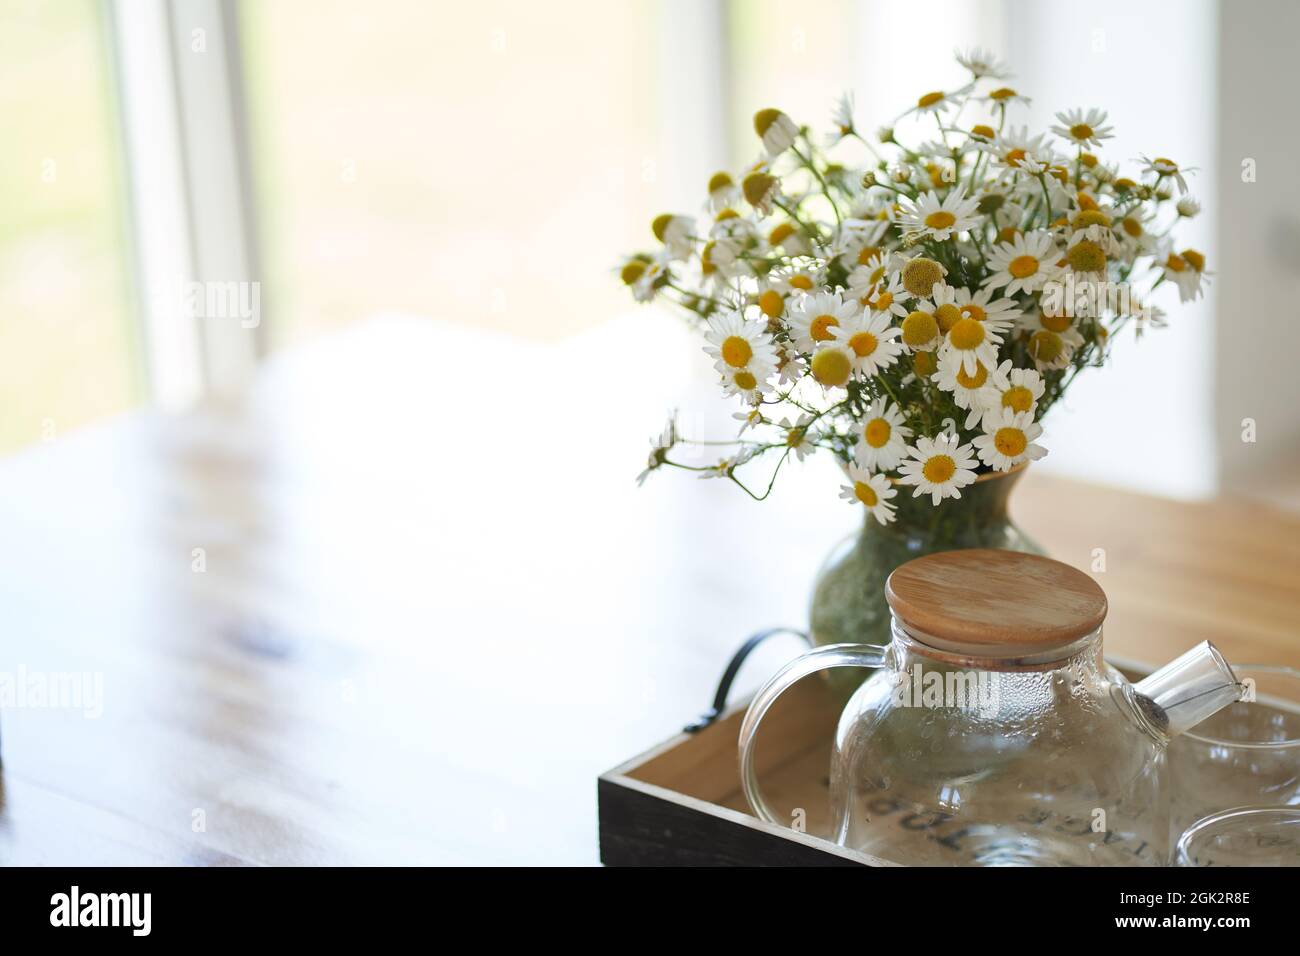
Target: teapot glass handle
(824, 658)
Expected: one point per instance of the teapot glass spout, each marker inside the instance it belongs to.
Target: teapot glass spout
(1184, 692)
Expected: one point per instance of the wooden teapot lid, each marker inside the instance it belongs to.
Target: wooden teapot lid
(999, 604)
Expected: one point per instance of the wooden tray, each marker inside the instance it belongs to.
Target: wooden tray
(681, 803)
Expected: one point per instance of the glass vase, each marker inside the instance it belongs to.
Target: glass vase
(848, 602)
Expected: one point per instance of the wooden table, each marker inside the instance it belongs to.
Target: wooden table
(394, 607)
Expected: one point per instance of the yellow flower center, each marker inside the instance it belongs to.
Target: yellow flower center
(1010, 441)
(1081, 131)
(882, 302)
(929, 100)
(1022, 267)
(736, 351)
(972, 311)
(920, 275)
(819, 329)
(745, 381)
(1046, 346)
(1089, 161)
(919, 328)
(1008, 234)
(756, 187)
(1090, 217)
(632, 271)
(1166, 165)
(1194, 259)
(725, 215)
(1018, 398)
(863, 344)
(865, 493)
(831, 367)
(947, 316)
(877, 432)
(973, 381)
(801, 282)
(984, 132)
(1124, 183)
(720, 181)
(966, 335)
(867, 254)
(706, 259)
(771, 304)
(1086, 256)
(1086, 202)
(1002, 93)
(764, 119)
(1013, 156)
(1054, 323)
(794, 437)
(925, 364)
(1132, 227)
(781, 233)
(938, 469)
(940, 220)
(1175, 262)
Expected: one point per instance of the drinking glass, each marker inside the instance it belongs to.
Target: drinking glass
(1243, 836)
(1248, 754)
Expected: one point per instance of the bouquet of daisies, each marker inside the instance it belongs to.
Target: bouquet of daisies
(915, 308)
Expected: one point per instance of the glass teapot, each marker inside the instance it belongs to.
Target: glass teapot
(992, 731)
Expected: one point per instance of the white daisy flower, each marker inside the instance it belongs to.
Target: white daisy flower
(1188, 207)
(725, 467)
(723, 192)
(1017, 150)
(939, 467)
(920, 328)
(1186, 270)
(832, 364)
(1004, 96)
(761, 190)
(1088, 251)
(797, 438)
(794, 282)
(936, 102)
(971, 343)
(1024, 264)
(1014, 389)
(813, 318)
(776, 130)
(1008, 439)
(749, 419)
(675, 232)
(869, 337)
(928, 216)
(789, 366)
(882, 437)
(982, 307)
(982, 63)
(871, 491)
(967, 389)
(842, 119)
(785, 238)
(1083, 129)
(1161, 168)
(737, 343)
(660, 447)
(750, 382)
(649, 282)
